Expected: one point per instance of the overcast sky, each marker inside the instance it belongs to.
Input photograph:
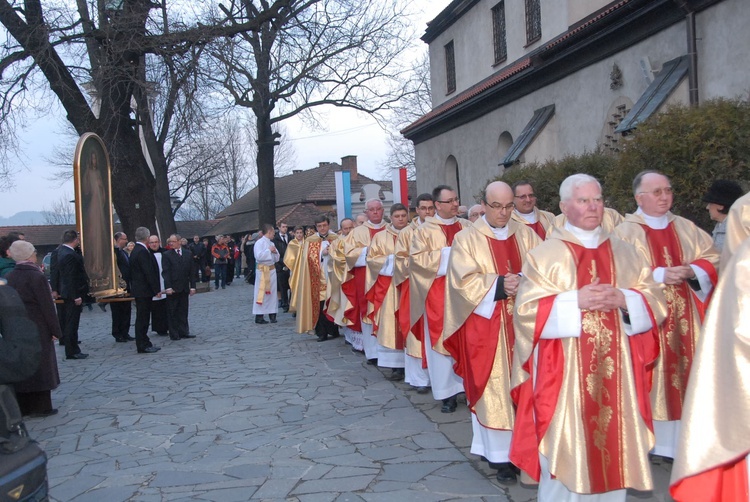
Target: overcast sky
(349, 133)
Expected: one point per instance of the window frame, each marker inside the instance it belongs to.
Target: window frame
(533, 21)
(499, 33)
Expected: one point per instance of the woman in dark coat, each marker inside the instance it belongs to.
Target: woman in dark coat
(34, 393)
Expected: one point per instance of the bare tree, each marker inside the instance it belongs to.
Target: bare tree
(314, 53)
(107, 47)
(60, 212)
(415, 103)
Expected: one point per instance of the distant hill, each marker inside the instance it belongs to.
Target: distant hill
(24, 218)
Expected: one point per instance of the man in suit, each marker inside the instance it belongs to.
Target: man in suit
(121, 310)
(281, 241)
(198, 249)
(144, 285)
(73, 284)
(180, 276)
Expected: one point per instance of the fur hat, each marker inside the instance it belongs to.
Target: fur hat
(21, 251)
(724, 193)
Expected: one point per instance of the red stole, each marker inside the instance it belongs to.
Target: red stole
(403, 313)
(474, 345)
(676, 337)
(539, 229)
(354, 289)
(313, 263)
(434, 307)
(724, 483)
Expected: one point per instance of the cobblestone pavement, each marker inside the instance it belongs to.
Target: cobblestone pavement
(252, 412)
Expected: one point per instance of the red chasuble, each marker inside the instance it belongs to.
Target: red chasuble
(725, 483)
(354, 289)
(474, 345)
(676, 336)
(403, 312)
(538, 228)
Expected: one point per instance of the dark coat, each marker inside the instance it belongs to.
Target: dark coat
(36, 295)
(281, 248)
(180, 272)
(144, 273)
(19, 344)
(74, 282)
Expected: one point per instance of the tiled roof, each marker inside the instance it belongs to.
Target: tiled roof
(295, 214)
(315, 186)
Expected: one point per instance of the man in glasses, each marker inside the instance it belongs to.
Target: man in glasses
(484, 265)
(414, 374)
(526, 211)
(430, 248)
(683, 259)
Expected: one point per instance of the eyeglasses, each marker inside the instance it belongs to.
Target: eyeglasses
(499, 207)
(449, 201)
(528, 196)
(659, 192)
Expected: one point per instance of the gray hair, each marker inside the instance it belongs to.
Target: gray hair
(367, 202)
(142, 234)
(574, 181)
(639, 179)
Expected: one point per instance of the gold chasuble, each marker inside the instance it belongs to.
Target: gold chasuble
(413, 346)
(426, 290)
(738, 227)
(544, 220)
(381, 293)
(583, 402)
(483, 348)
(337, 302)
(354, 284)
(681, 243)
(714, 442)
(610, 220)
(311, 288)
(291, 261)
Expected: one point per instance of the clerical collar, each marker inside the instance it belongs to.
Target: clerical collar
(449, 221)
(377, 225)
(323, 236)
(500, 233)
(655, 222)
(589, 238)
(531, 217)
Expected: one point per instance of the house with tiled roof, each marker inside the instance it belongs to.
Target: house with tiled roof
(304, 195)
(533, 80)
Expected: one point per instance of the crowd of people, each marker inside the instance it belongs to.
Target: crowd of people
(575, 338)
(589, 345)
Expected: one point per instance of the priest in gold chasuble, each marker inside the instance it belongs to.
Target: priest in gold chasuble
(355, 252)
(430, 248)
(738, 227)
(310, 294)
(414, 373)
(714, 442)
(483, 276)
(526, 211)
(585, 312)
(337, 272)
(292, 262)
(382, 296)
(683, 258)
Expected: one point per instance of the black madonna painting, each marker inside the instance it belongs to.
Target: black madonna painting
(94, 213)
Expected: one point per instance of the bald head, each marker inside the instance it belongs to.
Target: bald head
(498, 203)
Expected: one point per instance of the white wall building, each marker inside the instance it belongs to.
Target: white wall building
(530, 80)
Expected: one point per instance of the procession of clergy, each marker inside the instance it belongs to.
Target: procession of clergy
(583, 342)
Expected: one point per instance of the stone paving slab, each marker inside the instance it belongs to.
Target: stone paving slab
(248, 412)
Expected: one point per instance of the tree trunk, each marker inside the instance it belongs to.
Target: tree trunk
(266, 190)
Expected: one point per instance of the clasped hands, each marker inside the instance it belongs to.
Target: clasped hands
(675, 275)
(510, 283)
(597, 296)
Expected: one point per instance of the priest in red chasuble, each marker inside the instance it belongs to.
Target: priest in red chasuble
(683, 258)
(415, 374)
(355, 252)
(382, 295)
(526, 211)
(585, 312)
(430, 248)
(712, 451)
(482, 280)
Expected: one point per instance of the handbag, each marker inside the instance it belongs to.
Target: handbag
(23, 464)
